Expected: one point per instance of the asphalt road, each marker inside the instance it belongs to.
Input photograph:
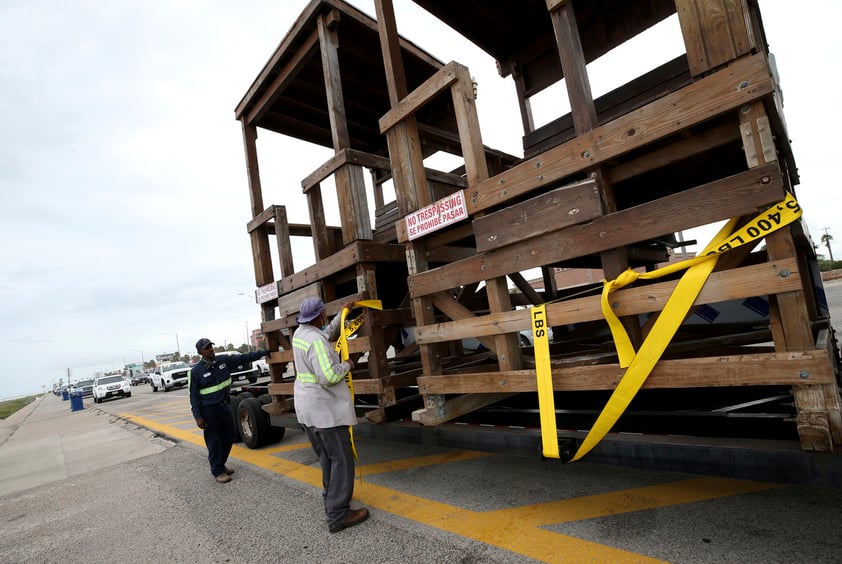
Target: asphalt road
(428, 505)
(122, 492)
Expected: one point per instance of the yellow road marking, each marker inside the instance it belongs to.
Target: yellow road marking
(417, 462)
(286, 448)
(626, 501)
(487, 528)
(516, 529)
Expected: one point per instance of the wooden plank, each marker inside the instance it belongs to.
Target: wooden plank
(322, 247)
(261, 219)
(416, 99)
(290, 303)
(324, 268)
(353, 203)
(507, 345)
(456, 311)
(746, 80)
(467, 122)
(284, 78)
(456, 407)
(329, 46)
(715, 32)
(285, 257)
(678, 150)
(756, 280)
(261, 254)
(342, 157)
(525, 288)
(572, 59)
(557, 209)
(740, 194)
(763, 369)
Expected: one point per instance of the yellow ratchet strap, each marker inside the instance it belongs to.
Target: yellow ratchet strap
(546, 402)
(640, 364)
(342, 349)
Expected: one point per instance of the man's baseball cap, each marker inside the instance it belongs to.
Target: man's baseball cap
(311, 308)
(203, 343)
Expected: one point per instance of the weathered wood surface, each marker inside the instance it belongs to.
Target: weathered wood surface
(761, 279)
(741, 194)
(767, 369)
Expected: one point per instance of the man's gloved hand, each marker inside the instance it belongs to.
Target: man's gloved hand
(200, 423)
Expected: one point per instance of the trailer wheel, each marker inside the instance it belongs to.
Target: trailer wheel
(234, 403)
(275, 433)
(253, 423)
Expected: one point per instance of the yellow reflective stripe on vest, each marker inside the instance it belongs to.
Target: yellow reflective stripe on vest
(307, 377)
(325, 364)
(300, 344)
(211, 389)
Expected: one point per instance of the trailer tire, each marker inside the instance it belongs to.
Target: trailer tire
(275, 433)
(253, 423)
(234, 403)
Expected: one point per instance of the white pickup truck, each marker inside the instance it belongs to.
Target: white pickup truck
(170, 375)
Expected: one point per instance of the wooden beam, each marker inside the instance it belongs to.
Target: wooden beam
(416, 99)
(739, 283)
(737, 195)
(554, 210)
(345, 156)
(284, 78)
(746, 80)
(764, 369)
(451, 409)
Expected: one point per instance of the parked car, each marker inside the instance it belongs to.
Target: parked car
(241, 371)
(170, 375)
(84, 386)
(262, 366)
(106, 387)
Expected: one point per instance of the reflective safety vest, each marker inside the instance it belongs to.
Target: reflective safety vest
(215, 388)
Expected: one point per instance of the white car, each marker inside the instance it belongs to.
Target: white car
(169, 375)
(110, 387)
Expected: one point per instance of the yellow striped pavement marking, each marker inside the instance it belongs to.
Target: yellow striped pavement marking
(627, 501)
(516, 529)
(419, 461)
(488, 528)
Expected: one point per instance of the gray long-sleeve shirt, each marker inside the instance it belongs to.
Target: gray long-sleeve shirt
(322, 398)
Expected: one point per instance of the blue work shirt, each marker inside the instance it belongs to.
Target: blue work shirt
(210, 383)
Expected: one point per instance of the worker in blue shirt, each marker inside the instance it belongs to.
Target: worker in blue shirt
(210, 384)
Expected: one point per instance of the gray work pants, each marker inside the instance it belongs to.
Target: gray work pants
(333, 447)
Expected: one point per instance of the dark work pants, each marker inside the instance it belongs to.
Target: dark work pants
(219, 435)
(333, 447)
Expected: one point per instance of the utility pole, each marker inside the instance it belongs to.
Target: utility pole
(826, 239)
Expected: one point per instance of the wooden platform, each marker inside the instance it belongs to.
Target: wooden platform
(695, 141)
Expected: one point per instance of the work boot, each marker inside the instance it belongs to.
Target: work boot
(228, 470)
(222, 478)
(354, 517)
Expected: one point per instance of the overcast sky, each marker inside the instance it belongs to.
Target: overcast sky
(123, 179)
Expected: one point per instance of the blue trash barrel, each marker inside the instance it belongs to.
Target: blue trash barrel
(76, 401)
(64, 395)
